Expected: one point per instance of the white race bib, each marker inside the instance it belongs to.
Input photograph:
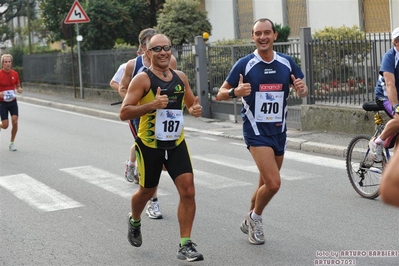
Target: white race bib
(9, 95)
(269, 106)
(169, 124)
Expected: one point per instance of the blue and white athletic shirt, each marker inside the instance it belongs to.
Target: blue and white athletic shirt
(264, 111)
(138, 66)
(389, 63)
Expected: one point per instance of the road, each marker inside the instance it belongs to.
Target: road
(64, 201)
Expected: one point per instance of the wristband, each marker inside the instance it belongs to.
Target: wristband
(231, 93)
(396, 108)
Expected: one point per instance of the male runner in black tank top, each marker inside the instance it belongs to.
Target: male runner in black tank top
(159, 96)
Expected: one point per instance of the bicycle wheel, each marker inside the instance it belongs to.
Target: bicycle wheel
(364, 174)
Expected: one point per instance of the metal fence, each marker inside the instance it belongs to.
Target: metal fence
(346, 71)
(337, 72)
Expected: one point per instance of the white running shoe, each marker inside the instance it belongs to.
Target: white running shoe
(12, 147)
(131, 174)
(375, 151)
(244, 225)
(153, 211)
(255, 231)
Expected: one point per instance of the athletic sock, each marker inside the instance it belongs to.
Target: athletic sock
(378, 140)
(131, 163)
(184, 240)
(254, 216)
(135, 223)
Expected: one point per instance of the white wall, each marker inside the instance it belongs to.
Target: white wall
(394, 14)
(221, 17)
(321, 13)
(334, 13)
(271, 9)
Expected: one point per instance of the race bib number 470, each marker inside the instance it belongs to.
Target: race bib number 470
(269, 106)
(169, 124)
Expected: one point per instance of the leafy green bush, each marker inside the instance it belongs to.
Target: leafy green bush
(17, 51)
(335, 49)
(283, 33)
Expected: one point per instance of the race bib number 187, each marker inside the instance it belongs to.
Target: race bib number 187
(169, 124)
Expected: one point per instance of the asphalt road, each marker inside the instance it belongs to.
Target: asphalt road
(64, 201)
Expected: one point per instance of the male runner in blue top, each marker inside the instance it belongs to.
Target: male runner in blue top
(263, 80)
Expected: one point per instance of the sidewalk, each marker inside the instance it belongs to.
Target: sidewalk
(318, 142)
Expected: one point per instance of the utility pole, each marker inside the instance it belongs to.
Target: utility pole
(28, 15)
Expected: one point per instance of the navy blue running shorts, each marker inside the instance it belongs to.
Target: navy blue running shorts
(277, 142)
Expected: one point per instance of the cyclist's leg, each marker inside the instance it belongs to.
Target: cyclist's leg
(392, 127)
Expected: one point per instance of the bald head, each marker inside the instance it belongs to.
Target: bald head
(158, 40)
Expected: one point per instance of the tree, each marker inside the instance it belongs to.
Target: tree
(182, 20)
(53, 12)
(10, 10)
(107, 20)
(140, 15)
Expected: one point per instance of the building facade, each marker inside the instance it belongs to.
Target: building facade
(233, 19)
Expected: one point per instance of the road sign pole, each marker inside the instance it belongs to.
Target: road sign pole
(77, 15)
(80, 63)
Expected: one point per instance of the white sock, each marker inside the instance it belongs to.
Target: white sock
(254, 216)
(131, 163)
(378, 140)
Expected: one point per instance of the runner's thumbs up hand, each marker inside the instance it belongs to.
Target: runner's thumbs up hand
(243, 89)
(196, 108)
(160, 101)
(299, 86)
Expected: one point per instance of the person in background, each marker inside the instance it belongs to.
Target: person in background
(9, 84)
(263, 80)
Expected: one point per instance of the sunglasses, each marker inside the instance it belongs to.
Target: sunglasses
(157, 49)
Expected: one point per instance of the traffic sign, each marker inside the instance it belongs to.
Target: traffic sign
(76, 14)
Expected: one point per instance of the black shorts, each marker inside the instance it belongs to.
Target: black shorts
(177, 161)
(8, 107)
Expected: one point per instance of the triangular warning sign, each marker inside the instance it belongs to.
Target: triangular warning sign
(76, 14)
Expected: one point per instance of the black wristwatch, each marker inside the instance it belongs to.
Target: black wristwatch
(231, 93)
(396, 108)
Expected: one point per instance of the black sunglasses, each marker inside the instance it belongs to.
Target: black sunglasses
(157, 49)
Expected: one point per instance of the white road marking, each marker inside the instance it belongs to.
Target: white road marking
(228, 161)
(287, 174)
(37, 194)
(106, 180)
(215, 182)
(208, 138)
(314, 159)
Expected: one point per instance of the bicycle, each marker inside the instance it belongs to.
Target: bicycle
(365, 174)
